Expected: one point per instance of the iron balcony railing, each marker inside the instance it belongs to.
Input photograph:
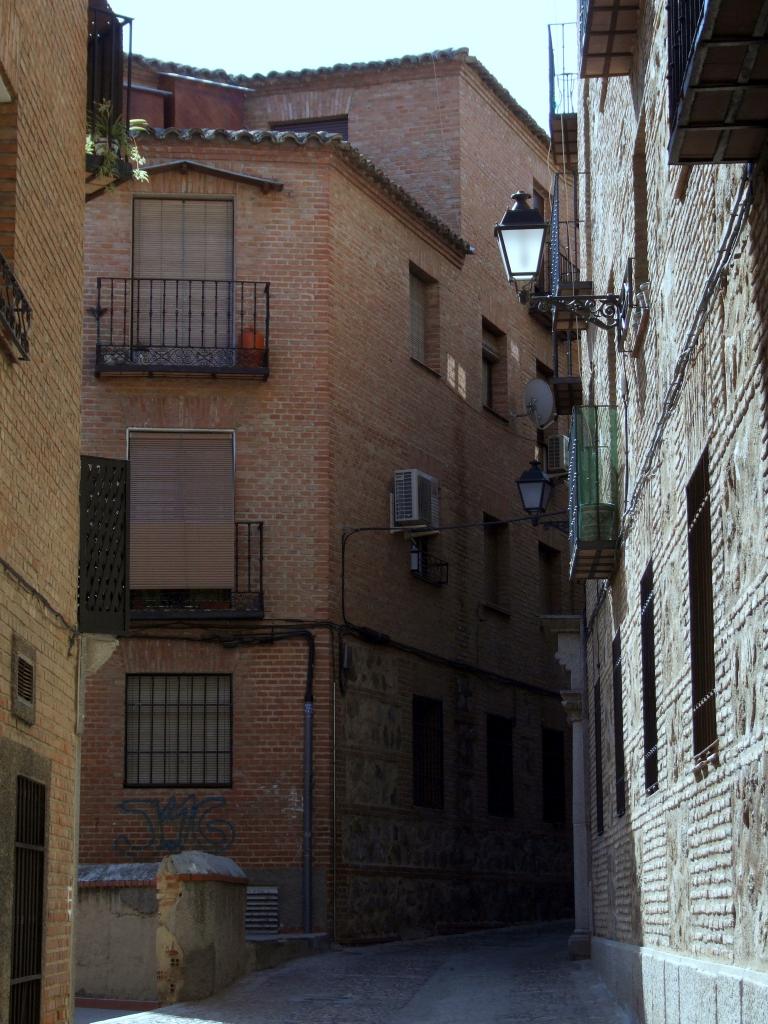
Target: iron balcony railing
(15, 313)
(184, 326)
(563, 75)
(245, 600)
(593, 492)
(685, 18)
(109, 62)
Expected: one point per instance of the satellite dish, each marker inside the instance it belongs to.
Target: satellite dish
(539, 402)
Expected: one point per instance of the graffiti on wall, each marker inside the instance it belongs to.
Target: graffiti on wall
(175, 824)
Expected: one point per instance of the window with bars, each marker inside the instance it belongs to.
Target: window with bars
(702, 614)
(428, 770)
(648, 649)
(500, 765)
(28, 902)
(618, 729)
(553, 775)
(599, 814)
(178, 730)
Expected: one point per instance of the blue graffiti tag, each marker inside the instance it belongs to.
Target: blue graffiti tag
(175, 824)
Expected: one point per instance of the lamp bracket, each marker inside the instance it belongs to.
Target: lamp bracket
(604, 311)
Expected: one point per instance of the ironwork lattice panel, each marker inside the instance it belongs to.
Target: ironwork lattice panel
(103, 545)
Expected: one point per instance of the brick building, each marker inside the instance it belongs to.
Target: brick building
(303, 302)
(42, 107)
(675, 698)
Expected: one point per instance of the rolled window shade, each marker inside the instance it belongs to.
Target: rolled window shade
(182, 510)
(190, 239)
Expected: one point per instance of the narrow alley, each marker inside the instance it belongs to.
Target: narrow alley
(512, 975)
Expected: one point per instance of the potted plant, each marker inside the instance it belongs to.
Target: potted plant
(111, 150)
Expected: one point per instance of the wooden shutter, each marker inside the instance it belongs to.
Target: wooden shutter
(182, 510)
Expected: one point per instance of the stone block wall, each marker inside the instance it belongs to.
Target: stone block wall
(682, 871)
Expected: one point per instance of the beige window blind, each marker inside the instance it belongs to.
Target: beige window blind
(182, 510)
(183, 255)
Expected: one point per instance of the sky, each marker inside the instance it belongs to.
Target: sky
(248, 37)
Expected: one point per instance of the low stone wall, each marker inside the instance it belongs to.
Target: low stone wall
(656, 986)
(160, 932)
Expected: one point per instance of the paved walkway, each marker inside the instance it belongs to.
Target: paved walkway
(509, 976)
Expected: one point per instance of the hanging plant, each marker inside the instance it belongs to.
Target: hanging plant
(114, 143)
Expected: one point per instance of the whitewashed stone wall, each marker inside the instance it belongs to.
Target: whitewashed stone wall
(684, 871)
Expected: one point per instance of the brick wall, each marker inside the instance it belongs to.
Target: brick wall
(344, 407)
(684, 869)
(42, 54)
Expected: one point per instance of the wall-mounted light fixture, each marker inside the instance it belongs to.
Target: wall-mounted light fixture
(535, 487)
(521, 236)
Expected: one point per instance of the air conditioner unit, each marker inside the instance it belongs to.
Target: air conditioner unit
(415, 500)
(557, 455)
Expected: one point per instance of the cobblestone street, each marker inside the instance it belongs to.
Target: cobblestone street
(510, 976)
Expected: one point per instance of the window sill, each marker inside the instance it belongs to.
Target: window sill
(418, 362)
(497, 609)
(496, 415)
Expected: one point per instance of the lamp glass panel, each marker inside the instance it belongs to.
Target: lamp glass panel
(534, 495)
(522, 250)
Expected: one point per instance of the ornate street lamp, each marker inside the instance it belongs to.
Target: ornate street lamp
(535, 488)
(521, 239)
(521, 234)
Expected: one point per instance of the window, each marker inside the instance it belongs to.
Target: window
(182, 291)
(494, 370)
(181, 499)
(427, 752)
(553, 775)
(550, 580)
(23, 680)
(424, 338)
(337, 125)
(647, 642)
(495, 563)
(28, 902)
(500, 765)
(599, 817)
(618, 728)
(178, 730)
(702, 613)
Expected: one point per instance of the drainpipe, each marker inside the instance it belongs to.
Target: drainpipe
(309, 710)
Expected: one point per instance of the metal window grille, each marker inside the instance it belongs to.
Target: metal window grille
(425, 566)
(648, 646)
(262, 909)
(500, 762)
(702, 614)
(178, 730)
(599, 814)
(553, 775)
(28, 903)
(428, 752)
(618, 729)
(103, 578)
(684, 20)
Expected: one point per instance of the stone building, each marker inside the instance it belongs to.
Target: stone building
(670, 528)
(295, 330)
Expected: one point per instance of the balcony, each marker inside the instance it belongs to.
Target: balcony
(158, 326)
(608, 34)
(718, 80)
(15, 314)
(562, 95)
(243, 601)
(593, 493)
(108, 95)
